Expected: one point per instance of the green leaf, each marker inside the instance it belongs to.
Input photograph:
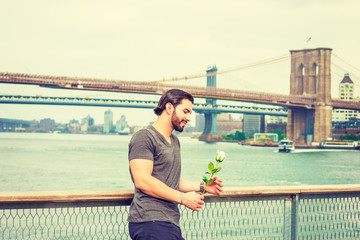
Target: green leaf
(205, 179)
(207, 172)
(210, 182)
(218, 169)
(211, 166)
(214, 171)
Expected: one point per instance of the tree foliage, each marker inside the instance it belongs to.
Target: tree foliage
(280, 134)
(350, 137)
(239, 136)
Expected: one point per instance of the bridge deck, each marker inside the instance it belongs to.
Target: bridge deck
(151, 88)
(99, 102)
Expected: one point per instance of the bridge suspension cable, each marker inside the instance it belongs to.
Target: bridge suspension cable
(245, 84)
(354, 76)
(338, 69)
(257, 64)
(239, 68)
(346, 62)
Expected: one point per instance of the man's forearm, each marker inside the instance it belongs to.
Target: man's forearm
(189, 186)
(158, 189)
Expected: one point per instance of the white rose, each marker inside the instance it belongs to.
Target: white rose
(220, 156)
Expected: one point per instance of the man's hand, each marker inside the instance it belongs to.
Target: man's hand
(192, 200)
(215, 187)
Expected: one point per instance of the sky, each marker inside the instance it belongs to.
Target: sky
(155, 40)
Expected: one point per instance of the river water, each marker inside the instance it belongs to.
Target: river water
(61, 162)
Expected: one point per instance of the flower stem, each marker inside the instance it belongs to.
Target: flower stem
(217, 163)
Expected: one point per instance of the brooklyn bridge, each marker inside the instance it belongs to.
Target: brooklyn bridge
(309, 103)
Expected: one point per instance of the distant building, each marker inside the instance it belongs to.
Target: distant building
(346, 92)
(352, 123)
(47, 124)
(86, 123)
(89, 121)
(74, 126)
(7, 124)
(271, 127)
(34, 124)
(95, 129)
(253, 124)
(346, 128)
(276, 122)
(74, 122)
(84, 128)
(108, 121)
(226, 123)
(122, 125)
(276, 119)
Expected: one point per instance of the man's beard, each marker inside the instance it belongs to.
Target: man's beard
(175, 121)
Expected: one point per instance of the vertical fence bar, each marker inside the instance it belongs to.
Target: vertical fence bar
(287, 217)
(291, 217)
(294, 216)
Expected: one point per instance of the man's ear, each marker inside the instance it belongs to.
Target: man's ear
(168, 108)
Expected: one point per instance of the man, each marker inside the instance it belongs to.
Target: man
(155, 167)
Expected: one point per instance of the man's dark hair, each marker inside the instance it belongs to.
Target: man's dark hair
(173, 96)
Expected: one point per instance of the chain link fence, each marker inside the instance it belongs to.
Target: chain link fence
(329, 216)
(334, 215)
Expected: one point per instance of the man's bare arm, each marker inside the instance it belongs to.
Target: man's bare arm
(141, 170)
(189, 186)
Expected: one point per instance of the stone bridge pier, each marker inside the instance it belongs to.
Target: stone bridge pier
(210, 133)
(310, 76)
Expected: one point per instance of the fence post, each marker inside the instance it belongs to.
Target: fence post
(291, 217)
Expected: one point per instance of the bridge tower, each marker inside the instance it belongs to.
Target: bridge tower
(310, 76)
(210, 133)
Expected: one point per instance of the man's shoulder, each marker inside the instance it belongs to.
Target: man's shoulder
(144, 135)
(141, 145)
(142, 132)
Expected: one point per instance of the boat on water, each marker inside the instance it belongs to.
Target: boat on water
(286, 146)
(125, 131)
(333, 144)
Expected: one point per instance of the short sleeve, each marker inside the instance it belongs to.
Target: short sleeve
(141, 146)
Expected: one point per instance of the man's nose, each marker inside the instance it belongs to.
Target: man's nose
(188, 118)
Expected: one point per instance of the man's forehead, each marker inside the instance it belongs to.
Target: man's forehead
(186, 103)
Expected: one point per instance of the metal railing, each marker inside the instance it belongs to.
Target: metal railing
(304, 212)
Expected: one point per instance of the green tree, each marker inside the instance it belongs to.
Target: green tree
(280, 134)
(240, 135)
(351, 137)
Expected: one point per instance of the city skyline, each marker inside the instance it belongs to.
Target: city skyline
(147, 41)
(80, 120)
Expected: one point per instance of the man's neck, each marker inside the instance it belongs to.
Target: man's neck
(164, 128)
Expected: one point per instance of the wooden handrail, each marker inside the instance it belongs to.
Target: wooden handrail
(71, 196)
(67, 196)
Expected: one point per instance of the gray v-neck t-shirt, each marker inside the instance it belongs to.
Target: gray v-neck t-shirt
(149, 144)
